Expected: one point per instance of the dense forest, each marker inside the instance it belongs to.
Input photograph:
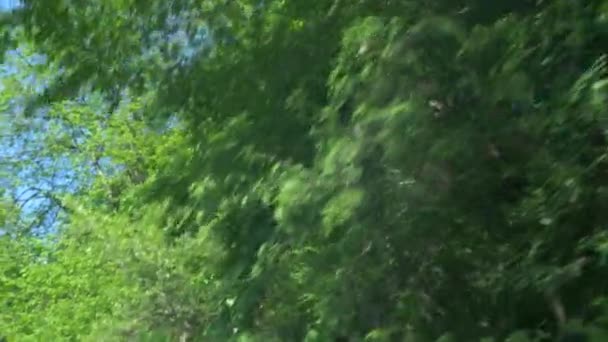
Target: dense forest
(291, 170)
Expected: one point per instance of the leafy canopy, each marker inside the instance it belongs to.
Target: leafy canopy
(304, 171)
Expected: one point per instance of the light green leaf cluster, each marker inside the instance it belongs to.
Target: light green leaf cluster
(305, 171)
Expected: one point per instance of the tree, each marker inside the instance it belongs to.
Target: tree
(281, 171)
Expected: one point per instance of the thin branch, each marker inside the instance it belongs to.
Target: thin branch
(333, 9)
(22, 57)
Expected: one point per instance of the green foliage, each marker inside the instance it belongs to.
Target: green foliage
(294, 171)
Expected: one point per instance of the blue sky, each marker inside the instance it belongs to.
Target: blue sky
(12, 150)
(7, 4)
